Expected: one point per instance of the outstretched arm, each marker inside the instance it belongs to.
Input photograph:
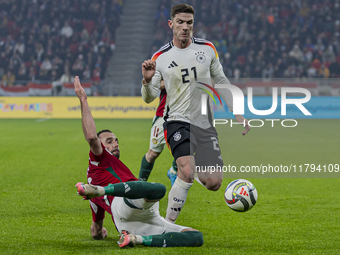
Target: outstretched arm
(242, 120)
(151, 81)
(219, 77)
(98, 232)
(89, 127)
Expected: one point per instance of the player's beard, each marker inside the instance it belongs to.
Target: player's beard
(116, 153)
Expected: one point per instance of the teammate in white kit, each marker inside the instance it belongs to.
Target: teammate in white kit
(157, 142)
(184, 64)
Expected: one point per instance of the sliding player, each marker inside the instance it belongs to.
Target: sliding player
(132, 203)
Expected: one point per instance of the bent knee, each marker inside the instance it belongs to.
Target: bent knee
(213, 184)
(196, 236)
(199, 238)
(162, 190)
(159, 192)
(151, 155)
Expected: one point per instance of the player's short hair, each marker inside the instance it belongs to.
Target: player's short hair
(103, 131)
(180, 8)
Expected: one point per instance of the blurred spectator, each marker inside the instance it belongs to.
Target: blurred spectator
(78, 66)
(22, 73)
(32, 74)
(54, 33)
(324, 71)
(237, 74)
(293, 37)
(8, 79)
(95, 79)
(42, 75)
(66, 77)
(334, 69)
(201, 30)
(15, 61)
(4, 61)
(311, 71)
(46, 66)
(296, 54)
(54, 76)
(221, 45)
(39, 52)
(57, 65)
(328, 55)
(268, 71)
(20, 46)
(66, 31)
(85, 36)
(57, 85)
(87, 73)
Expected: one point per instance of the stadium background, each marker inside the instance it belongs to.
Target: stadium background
(261, 44)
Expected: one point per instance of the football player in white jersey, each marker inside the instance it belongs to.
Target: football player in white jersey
(184, 64)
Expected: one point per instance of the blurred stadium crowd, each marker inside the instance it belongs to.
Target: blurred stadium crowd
(266, 39)
(56, 39)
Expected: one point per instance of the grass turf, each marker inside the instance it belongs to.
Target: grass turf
(41, 214)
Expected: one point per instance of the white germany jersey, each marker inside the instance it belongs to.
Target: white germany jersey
(182, 71)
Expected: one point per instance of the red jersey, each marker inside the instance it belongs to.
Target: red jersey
(103, 170)
(161, 105)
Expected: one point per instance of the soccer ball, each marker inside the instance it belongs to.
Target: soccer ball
(240, 195)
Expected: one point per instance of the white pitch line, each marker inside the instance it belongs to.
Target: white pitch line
(41, 120)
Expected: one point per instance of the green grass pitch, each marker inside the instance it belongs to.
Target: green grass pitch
(40, 213)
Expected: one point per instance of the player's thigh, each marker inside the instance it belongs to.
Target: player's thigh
(172, 227)
(157, 139)
(179, 139)
(136, 216)
(208, 158)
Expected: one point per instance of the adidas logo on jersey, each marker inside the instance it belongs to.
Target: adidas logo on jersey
(173, 64)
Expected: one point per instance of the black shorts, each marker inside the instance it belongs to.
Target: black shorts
(184, 139)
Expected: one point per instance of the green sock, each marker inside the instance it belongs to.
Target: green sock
(147, 240)
(145, 169)
(175, 239)
(174, 165)
(136, 189)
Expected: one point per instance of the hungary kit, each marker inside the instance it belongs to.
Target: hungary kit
(135, 215)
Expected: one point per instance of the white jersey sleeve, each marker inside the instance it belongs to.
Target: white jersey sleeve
(219, 77)
(151, 89)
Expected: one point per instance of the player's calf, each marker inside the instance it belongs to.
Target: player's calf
(186, 168)
(132, 190)
(189, 238)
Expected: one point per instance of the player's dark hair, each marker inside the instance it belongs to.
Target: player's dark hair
(103, 131)
(180, 8)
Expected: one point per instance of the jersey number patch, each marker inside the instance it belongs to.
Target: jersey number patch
(186, 73)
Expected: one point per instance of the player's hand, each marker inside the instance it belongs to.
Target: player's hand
(148, 70)
(79, 89)
(104, 233)
(242, 120)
